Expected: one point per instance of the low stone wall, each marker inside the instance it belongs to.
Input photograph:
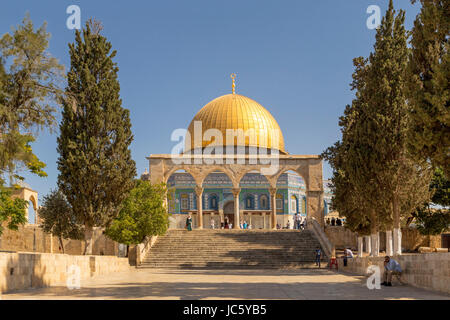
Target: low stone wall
(137, 253)
(427, 270)
(33, 270)
(341, 237)
(412, 240)
(31, 238)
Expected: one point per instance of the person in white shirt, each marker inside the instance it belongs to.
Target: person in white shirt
(348, 253)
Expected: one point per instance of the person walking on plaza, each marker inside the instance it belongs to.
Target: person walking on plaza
(212, 223)
(391, 267)
(288, 226)
(318, 255)
(189, 223)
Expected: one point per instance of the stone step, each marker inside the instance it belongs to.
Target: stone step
(233, 249)
(233, 253)
(235, 266)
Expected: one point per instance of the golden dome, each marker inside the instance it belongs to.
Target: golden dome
(234, 111)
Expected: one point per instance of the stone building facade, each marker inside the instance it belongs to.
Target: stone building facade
(233, 166)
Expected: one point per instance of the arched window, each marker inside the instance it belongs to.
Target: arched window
(213, 202)
(294, 204)
(304, 205)
(280, 204)
(171, 198)
(184, 202)
(31, 213)
(263, 202)
(249, 202)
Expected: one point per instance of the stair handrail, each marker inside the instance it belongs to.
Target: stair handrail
(318, 231)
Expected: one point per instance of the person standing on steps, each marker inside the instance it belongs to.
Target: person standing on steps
(189, 223)
(318, 255)
(297, 221)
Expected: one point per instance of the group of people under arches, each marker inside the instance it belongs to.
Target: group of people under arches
(299, 224)
(335, 222)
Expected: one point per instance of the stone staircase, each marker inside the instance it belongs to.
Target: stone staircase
(238, 249)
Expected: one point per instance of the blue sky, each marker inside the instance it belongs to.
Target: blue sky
(293, 57)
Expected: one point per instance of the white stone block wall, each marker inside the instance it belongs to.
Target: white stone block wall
(28, 270)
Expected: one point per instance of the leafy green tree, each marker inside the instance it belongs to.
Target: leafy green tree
(440, 187)
(29, 87)
(12, 211)
(95, 164)
(346, 200)
(432, 221)
(429, 219)
(143, 214)
(429, 85)
(58, 218)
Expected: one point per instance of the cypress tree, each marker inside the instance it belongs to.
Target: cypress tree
(95, 164)
(401, 183)
(429, 85)
(376, 167)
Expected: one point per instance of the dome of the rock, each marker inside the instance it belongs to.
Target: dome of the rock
(234, 111)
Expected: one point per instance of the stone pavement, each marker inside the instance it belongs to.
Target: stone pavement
(227, 284)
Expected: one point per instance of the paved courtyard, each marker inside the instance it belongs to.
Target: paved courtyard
(227, 284)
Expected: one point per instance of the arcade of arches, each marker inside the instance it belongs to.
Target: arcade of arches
(238, 192)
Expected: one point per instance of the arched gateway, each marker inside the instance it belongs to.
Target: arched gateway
(234, 151)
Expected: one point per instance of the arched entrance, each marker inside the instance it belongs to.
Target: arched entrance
(228, 212)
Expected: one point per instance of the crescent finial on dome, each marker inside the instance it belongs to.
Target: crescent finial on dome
(233, 86)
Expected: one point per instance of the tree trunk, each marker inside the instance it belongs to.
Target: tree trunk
(88, 234)
(374, 235)
(360, 246)
(397, 233)
(368, 245)
(61, 244)
(389, 247)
